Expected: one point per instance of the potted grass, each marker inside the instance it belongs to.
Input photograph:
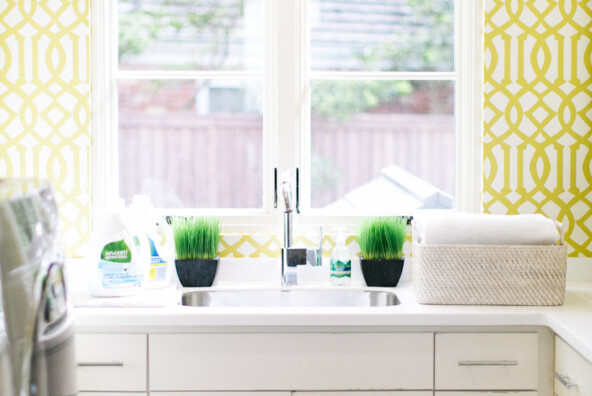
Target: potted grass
(381, 241)
(196, 247)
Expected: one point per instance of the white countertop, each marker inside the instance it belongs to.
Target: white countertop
(158, 311)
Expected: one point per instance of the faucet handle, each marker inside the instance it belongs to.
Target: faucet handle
(314, 256)
(294, 256)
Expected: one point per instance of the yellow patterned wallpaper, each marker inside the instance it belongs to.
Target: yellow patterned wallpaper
(45, 103)
(538, 113)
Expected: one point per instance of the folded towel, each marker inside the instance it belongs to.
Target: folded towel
(485, 229)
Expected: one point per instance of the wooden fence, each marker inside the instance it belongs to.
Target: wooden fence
(216, 161)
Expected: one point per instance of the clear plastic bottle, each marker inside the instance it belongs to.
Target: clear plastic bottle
(340, 262)
(159, 236)
(116, 258)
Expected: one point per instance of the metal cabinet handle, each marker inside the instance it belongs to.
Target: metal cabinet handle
(564, 379)
(100, 364)
(487, 363)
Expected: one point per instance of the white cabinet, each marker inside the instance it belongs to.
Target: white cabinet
(112, 362)
(290, 361)
(573, 373)
(486, 361)
(318, 364)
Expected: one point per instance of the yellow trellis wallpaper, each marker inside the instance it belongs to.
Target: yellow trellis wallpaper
(537, 110)
(538, 113)
(45, 103)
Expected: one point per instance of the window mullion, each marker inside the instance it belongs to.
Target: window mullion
(381, 75)
(183, 74)
(288, 83)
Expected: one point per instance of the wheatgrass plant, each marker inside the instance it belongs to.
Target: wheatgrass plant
(383, 237)
(196, 238)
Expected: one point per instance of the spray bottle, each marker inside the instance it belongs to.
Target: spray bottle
(158, 234)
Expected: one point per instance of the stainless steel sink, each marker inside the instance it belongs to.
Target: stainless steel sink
(289, 298)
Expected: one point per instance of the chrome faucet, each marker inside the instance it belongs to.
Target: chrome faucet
(293, 257)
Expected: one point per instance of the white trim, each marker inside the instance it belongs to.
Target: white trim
(286, 109)
(305, 112)
(104, 147)
(469, 152)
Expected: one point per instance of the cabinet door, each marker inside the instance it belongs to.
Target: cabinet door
(369, 393)
(111, 362)
(219, 394)
(574, 370)
(486, 361)
(288, 361)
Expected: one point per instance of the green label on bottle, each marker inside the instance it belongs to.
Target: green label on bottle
(340, 269)
(116, 252)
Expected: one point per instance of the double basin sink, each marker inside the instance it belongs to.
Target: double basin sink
(289, 298)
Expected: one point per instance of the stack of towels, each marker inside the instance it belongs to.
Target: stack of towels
(485, 229)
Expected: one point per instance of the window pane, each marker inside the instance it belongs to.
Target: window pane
(382, 35)
(191, 35)
(382, 145)
(191, 143)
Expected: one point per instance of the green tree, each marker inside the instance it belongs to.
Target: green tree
(142, 22)
(425, 43)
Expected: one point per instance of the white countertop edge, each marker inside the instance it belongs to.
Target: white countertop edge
(572, 321)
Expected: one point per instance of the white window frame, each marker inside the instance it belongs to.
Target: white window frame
(286, 111)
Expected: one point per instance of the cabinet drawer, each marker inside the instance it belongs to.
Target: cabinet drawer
(365, 393)
(111, 362)
(486, 393)
(486, 361)
(289, 361)
(220, 394)
(112, 394)
(574, 369)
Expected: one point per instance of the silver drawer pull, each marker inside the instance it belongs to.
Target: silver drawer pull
(564, 379)
(487, 363)
(100, 364)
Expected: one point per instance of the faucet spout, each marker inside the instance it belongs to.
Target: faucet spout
(287, 194)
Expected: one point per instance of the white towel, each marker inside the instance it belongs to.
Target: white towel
(485, 229)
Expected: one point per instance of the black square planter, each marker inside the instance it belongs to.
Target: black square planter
(196, 273)
(382, 273)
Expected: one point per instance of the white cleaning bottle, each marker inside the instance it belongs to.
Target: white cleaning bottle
(159, 236)
(115, 257)
(340, 262)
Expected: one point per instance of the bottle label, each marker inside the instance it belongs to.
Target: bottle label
(116, 267)
(158, 266)
(340, 269)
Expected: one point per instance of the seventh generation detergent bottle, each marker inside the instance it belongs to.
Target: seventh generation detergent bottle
(116, 259)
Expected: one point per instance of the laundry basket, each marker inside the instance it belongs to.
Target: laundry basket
(489, 274)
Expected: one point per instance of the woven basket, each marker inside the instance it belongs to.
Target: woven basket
(489, 274)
